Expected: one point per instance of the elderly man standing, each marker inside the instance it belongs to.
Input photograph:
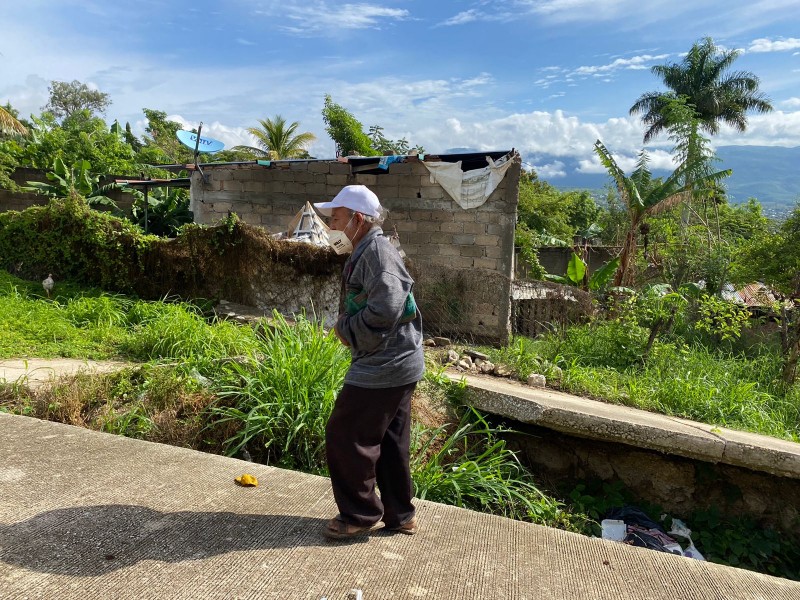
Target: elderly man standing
(368, 434)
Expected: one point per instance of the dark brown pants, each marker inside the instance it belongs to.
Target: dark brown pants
(367, 442)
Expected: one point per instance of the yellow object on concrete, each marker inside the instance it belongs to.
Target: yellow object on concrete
(247, 480)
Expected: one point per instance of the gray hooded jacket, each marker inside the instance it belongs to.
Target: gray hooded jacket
(385, 352)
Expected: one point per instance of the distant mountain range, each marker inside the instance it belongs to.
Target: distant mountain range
(768, 173)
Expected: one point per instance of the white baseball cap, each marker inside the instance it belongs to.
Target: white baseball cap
(355, 197)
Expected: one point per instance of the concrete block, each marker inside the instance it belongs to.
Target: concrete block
(487, 240)
(240, 174)
(302, 177)
(316, 190)
(448, 250)
(337, 168)
(253, 186)
(385, 192)
(474, 251)
(428, 226)
(441, 216)
(464, 240)
(494, 252)
(452, 227)
(261, 175)
(299, 165)
(283, 175)
(490, 264)
(463, 262)
(400, 168)
(405, 226)
(420, 215)
(433, 193)
(332, 190)
(418, 238)
(442, 238)
(464, 216)
(496, 229)
(319, 166)
(475, 228)
(218, 207)
(368, 180)
(440, 260)
(338, 180)
(391, 180)
(296, 188)
(275, 187)
(222, 175)
(263, 209)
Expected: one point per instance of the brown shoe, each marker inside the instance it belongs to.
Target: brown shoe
(336, 529)
(408, 528)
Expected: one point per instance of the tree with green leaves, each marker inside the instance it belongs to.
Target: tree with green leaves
(160, 142)
(67, 98)
(644, 196)
(276, 140)
(704, 80)
(346, 131)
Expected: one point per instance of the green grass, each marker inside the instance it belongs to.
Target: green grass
(219, 387)
(604, 361)
(280, 396)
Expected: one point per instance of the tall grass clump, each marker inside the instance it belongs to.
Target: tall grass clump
(279, 399)
(472, 468)
(178, 331)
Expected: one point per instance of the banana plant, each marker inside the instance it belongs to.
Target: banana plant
(576, 274)
(75, 181)
(644, 196)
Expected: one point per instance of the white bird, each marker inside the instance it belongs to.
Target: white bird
(48, 284)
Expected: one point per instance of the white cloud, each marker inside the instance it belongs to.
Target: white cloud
(327, 18)
(768, 45)
(467, 16)
(245, 42)
(791, 102)
(553, 170)
(635, 62)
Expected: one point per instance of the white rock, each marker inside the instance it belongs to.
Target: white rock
(536, 380)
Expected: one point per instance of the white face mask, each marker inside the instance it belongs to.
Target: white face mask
(340, 243)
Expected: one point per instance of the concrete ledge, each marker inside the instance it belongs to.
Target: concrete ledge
(608, 422)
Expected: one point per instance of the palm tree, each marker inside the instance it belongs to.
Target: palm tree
(702, 78)
(644, 196)
(277, 141)
(9, 123)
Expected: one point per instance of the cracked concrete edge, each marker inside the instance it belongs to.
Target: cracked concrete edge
(592, 419)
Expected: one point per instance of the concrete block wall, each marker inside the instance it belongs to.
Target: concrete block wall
(462, 260)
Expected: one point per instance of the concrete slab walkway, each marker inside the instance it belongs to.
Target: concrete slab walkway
(33, 372)
(87, 515)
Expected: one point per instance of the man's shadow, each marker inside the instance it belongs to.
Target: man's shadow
(94, 540)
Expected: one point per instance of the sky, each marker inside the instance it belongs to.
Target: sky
(547, 77)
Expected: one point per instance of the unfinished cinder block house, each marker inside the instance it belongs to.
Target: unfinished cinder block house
(455, 216)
